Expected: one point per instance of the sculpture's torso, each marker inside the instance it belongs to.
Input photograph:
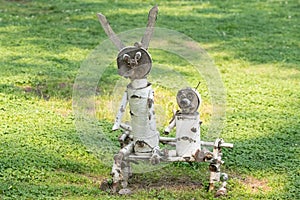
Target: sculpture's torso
(187, 134)
(140, 98)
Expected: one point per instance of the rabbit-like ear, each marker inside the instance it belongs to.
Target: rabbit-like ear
(150, 27)
(109, 32)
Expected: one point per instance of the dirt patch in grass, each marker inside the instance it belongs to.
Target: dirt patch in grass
(166, 182)
(256, 185)
(28, 88)
(253, 184)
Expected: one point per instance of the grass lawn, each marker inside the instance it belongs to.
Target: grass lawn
(254, 44)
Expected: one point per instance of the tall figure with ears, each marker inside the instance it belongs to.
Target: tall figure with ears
(141, 136)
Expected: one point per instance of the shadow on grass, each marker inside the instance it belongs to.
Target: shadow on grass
(40, 166)
(259, 33)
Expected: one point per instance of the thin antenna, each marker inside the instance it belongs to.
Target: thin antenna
(197, 85)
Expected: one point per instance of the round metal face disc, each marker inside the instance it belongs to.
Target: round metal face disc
(134, 62)
(188, 100)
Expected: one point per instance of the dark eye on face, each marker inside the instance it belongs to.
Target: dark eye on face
(190, 96)
(126, 57)
(138, 55)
